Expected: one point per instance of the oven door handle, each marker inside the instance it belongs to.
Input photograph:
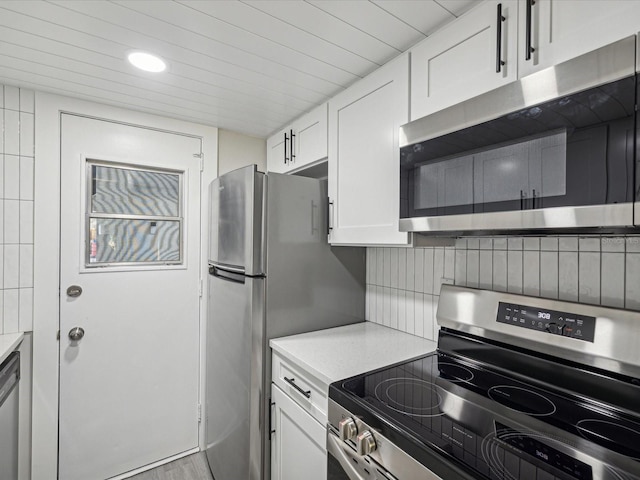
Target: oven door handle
(337, 448)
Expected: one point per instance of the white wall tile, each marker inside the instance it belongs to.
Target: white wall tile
(11, 309)
(1, 133)
(419, 314)
(500, 243)
(632, 244)
(410, 326)
(514, 271)
(1, 222)
(402, 268)
(549, 274)
(393, 273)
(589, 276)
(386, 267)
(428, 270)
(613, 244)
(589, 244)
(26, 134)
(2, 311)
(612, 275)
(379, 313)
(26, 178)
(632, 281)
(11, 266)
(429, 301)
(11, 221)
(486, 244)
(486, 269)
(460, 276)
(386, 306)
(26, 309)
(549, 244)
(1, 269)
(26, 266)
(11, 132)
(461, 243)
(438, 268)
(379, 266)
(27, 100)
(568, 275)
(393, 308)
(473, 243)
(369, 297)
(449, 263)
(531, 272)
(410, 283)
(419, 270)
(568, 244)
(402, 310)
(531, 243)
(12, 177)
(473, 268)
(11, 97)
(515, 243)
(500, 270)
(1, 101)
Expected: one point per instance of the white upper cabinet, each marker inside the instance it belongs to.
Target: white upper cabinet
(364, 157)
(562, 29)
(470, 56)
(300, 144)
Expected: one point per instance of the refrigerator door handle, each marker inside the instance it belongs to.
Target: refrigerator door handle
(226, 275)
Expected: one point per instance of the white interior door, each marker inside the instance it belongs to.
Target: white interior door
(130, 238)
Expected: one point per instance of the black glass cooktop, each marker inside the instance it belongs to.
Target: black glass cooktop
(494, 424)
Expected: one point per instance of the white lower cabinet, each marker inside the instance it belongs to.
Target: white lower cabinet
(298, 441)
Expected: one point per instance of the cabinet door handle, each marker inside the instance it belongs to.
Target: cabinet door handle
(291, 137)
(329, 216)
(500, 19)
(286, 139)
(528, 48)
(292, 382)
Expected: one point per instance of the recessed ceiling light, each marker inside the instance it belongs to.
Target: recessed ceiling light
(147, 62)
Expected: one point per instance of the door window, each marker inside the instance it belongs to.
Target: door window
(134, 215)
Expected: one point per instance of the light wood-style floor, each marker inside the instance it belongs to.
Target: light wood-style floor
(193, 467)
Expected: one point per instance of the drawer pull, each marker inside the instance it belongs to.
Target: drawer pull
(292, 382)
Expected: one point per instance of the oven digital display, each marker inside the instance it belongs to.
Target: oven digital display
(543, 453)
(566, 324)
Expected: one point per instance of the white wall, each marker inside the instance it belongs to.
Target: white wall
(16, 209)
(403, 284)
(236, 150)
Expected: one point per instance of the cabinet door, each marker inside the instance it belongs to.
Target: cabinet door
(364, 157)
(279, 152)
(460, 61)
(310, 137)
(563, 29)
(298, 445)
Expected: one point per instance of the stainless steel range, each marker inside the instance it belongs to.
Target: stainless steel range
(520, 388)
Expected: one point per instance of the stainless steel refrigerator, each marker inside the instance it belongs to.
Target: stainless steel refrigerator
(271, 274)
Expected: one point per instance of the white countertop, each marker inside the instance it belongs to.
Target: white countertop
(8, 343)
(336, 353)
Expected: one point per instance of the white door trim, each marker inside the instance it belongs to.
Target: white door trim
(46, 312)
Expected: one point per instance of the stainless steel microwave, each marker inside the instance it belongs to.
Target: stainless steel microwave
(556, 149)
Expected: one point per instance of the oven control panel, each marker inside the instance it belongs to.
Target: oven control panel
(566, 324)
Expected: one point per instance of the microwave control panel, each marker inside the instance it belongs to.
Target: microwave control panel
(566, 324)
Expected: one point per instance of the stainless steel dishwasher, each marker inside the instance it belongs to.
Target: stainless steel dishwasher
(9, 378)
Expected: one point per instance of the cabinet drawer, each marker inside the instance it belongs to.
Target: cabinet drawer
(306, 390)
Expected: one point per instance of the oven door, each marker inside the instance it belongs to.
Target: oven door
(344, 464)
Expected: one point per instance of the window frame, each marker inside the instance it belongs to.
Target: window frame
(89, 266)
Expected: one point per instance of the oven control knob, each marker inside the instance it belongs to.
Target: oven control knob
(348, 429)
(365, 443)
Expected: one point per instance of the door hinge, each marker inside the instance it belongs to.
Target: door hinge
(201, 157)
(58, 335)
(199, 412)
(200, 288)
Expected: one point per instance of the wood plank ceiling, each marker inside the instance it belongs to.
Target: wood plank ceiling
(248, 66)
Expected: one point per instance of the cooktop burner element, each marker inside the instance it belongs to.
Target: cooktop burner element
(522, 400)
(480, 408)
(410, 396)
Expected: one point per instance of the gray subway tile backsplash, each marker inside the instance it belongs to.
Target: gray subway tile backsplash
(597, 270)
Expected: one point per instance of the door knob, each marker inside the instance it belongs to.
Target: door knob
(74, 291)
(76, 334)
